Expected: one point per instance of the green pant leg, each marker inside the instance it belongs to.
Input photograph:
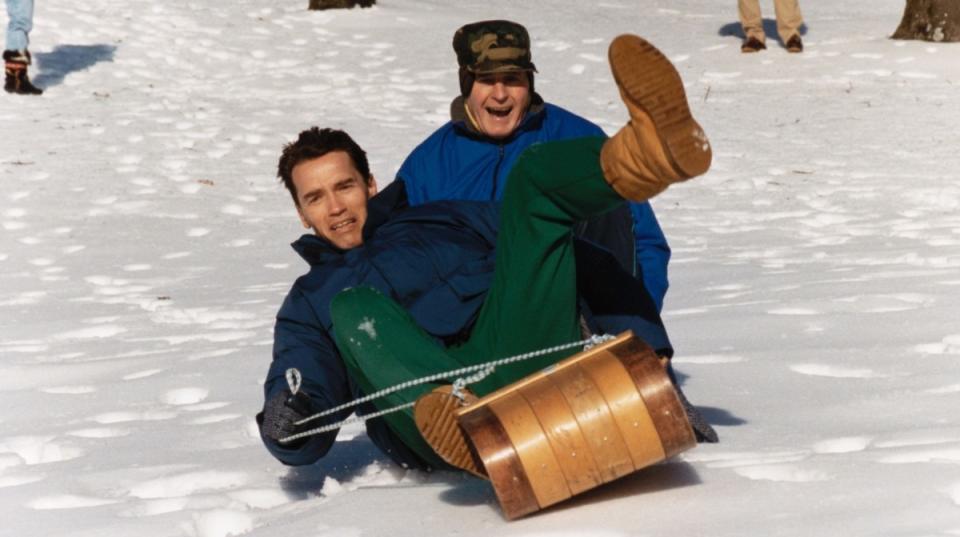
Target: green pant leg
(382, 346)
(532, 301)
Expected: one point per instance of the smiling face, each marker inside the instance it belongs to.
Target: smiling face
(332, 198)
(498, 102)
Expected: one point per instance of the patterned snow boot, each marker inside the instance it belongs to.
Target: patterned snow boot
(15, 70)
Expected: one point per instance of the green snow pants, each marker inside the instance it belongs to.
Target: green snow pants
(531, 304)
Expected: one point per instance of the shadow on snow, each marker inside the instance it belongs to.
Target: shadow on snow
(65, 59)
(769, 28)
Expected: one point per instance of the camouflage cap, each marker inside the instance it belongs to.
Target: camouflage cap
(492, 47)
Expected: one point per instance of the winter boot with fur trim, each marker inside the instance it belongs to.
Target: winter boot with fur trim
(15, 69)
(661, 144)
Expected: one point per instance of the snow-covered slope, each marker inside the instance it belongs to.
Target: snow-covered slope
(144, 252)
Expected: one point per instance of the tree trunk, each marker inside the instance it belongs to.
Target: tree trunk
(930, 20)
(337, 4)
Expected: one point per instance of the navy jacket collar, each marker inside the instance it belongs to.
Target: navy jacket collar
(316, 250)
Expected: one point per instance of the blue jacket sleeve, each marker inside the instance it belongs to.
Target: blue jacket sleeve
(301, 341)
(653, 252)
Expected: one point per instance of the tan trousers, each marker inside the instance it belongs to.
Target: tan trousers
(788, 18)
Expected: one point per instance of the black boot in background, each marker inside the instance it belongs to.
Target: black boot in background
(15, 69)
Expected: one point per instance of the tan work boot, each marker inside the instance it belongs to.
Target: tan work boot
(435, 414)
(662, 143)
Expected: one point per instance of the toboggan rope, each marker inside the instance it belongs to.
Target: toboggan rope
(480, 371)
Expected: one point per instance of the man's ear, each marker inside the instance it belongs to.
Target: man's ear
(372, 186)
(303, 219)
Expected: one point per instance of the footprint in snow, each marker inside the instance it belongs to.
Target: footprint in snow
(214, 418)
(917, 75)
(881, 303)
(99, 432)
(142, 374)
(949, 455)
(739, 459)
(948, 345)
(222, 523)
(190, 188)
(23, 299)
(162, 506)
(69, 390)
(67, 501)
(834, 371)
(952, 388)
(219, 153)
(260, 498)
(200, 407)
(559, 46)
(198, 232)
(93, 332)
(185, 484)
(922, 439)
(793, 311)
(38, 450)
(847, 444)
(109, 418)
(10, 460)
(185, 396)
(17, 480)
(708, 359)
(234, 209)
(782, 472)
(953, 492)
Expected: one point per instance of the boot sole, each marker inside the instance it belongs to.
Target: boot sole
(649, 81)
(435, 414)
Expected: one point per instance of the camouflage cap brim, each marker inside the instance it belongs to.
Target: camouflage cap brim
(502, 68)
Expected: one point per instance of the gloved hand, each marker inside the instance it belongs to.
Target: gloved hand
(282, 411)
(701, 429)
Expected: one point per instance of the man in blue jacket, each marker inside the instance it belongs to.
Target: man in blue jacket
(496, 117)
(457, 290)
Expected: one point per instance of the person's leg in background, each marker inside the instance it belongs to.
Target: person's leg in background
(789, 20)
(751, 21)
(16, 57)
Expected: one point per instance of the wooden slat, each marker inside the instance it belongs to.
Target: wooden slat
(490, 441)
(534, 451)
(594, 418)
(657, 391)
(627, 407)
(564, 435)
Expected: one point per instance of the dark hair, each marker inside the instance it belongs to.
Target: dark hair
(315, 143)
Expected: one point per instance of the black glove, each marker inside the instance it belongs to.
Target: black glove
(280, 414)
(701, 429)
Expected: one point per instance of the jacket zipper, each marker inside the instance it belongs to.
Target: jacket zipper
(496, 173)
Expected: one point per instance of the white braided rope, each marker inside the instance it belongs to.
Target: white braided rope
(349, 421)
(483, 370)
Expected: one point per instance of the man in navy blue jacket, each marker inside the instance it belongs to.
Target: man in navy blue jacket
(497, 116)
(437, 262)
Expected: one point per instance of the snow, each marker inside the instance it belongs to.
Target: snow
(144, 253)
